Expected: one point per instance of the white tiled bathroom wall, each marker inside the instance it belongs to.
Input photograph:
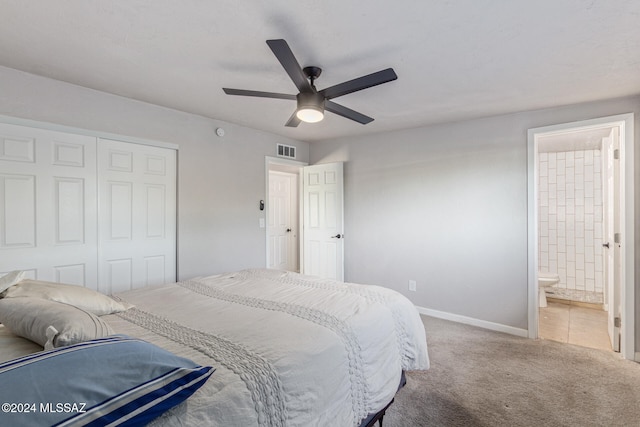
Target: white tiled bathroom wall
(571, 211)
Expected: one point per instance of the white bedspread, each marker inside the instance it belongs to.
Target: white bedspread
(289, 350)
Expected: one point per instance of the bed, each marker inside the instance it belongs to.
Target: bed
(282, 349)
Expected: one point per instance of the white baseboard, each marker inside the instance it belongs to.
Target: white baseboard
(477, 322)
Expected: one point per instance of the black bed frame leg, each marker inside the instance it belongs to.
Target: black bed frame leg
(378, 417)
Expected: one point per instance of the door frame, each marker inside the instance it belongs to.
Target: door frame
(626, 124)
(291, 166)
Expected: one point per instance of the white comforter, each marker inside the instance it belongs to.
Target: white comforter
(289, 350)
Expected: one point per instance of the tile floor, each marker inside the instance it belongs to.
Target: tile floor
(574, 323)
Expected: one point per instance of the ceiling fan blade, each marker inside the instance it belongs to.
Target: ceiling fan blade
(293, 121)
(347, 112)
(259, 94)
(360, 83)
(282, 51)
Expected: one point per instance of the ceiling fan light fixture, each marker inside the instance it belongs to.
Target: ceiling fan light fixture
(310, 115)
(310, 107)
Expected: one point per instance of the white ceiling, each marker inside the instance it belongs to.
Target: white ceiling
(455, 60)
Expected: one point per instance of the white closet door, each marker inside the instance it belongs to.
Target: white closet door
(137, 210)
(48, 211)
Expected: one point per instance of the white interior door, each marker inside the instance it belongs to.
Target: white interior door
(323, 228)
(611, 246)
(282, 228)
(48, 221)
(137, 232)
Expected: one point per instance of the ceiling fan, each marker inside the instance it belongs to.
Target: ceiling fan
(313, 102)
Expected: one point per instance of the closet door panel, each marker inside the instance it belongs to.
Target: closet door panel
(69, 210)
(17, 219)
(118, 212)
(48, 204)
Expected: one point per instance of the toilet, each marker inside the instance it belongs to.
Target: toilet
(544, 281)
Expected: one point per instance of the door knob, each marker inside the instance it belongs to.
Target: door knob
(288, 230)
(606, 245)
(337, 236)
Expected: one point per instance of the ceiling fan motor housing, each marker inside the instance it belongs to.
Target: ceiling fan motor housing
(312, 100)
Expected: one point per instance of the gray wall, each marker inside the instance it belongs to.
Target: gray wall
(220, 180)
(447, 206)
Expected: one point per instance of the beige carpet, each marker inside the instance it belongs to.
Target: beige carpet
(484, 378)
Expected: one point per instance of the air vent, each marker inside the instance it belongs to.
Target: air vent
(287, 151)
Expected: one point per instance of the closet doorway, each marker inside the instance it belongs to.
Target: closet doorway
(283, 214)
(305, 218)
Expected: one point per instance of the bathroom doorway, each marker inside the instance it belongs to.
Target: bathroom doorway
(580, 193)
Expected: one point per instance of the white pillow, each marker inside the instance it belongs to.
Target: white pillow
(10, 279)
(49, 323)
(77, 296)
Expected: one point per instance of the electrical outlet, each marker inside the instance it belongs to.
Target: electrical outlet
(412, 285)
